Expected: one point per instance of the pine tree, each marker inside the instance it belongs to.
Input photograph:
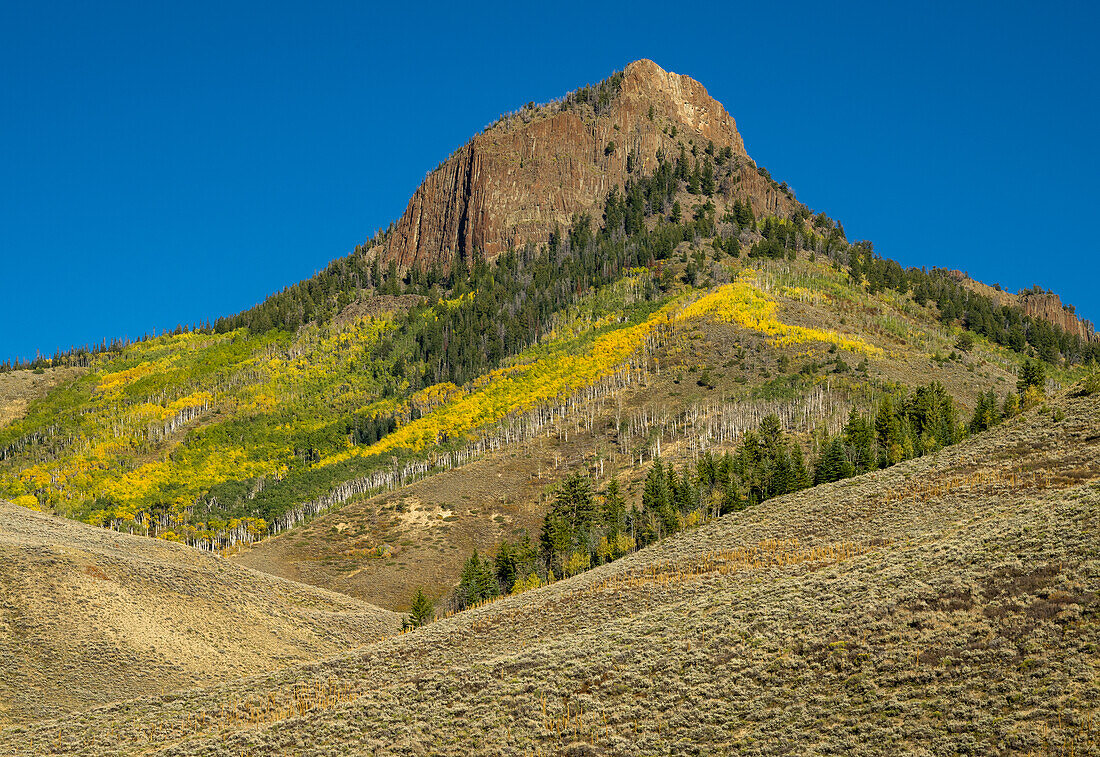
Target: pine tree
(800, 477)
(889, 434)
(731, 497)
(613, 512)
(693, 180)
(478, 582)
(706, 181)
(421, 612)
(677, 213)
(505, 565)
(1032, 374)
(833, 465)
(859, 438)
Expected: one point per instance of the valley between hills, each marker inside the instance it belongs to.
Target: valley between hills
(608, 445)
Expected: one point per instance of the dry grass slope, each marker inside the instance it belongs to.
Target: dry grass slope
(948, 605)
(89, 616)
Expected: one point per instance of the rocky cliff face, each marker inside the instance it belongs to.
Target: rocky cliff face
(513, 182)
(1049, 307)
(1035, 303)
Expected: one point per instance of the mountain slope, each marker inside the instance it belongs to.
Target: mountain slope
(89, 616)
(949, 604)
(428, 527)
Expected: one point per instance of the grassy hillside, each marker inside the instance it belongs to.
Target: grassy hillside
(946, 605)
(89, 616)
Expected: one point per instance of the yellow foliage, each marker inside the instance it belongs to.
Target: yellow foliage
(526, 584)
(802, 294)
(515, 388)
(456, 301)
(744, 304)
(578, 562)
(433, 396)
(613, 549)
(28, 501)
(114, 381)
(1033, 397)
(198, 399)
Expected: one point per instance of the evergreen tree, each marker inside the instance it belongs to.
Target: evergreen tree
(506, 568)
(421, 612)
(706, 180)
(613, 512)
(859, 438)
(1032, 374)
(888, 433)
(677, 213)
(800, 477)
(478, 582)
(833, 464)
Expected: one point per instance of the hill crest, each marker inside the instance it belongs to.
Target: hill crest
(89, 616)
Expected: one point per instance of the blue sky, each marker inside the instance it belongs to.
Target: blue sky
(170, 163)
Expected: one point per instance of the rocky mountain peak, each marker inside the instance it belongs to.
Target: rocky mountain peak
(515, 181)
(687, 102)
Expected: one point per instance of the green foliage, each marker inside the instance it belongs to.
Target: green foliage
(1032, 376)
(568, 526)
(743, 215)
(833, 464)
(911, 425)
(422, 611)
(987, 414)
(1089, 385)
(859, 443)
(516, 563)
(957, 304)
(478, 583)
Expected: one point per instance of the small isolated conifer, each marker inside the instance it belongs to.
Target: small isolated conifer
(422, 611)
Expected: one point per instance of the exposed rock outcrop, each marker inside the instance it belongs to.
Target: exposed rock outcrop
(1036, 303)
(1049, 307)
(513, 182)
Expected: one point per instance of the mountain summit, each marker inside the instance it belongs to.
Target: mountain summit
(512, 183)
